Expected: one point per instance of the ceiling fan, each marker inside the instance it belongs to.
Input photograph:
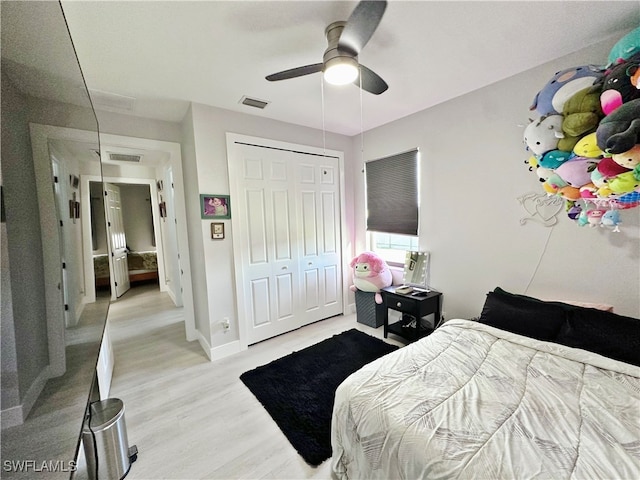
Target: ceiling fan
(345, 41)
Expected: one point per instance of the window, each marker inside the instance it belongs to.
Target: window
(392, 194)
(392, 247)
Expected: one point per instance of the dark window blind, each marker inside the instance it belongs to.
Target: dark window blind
(392, 194)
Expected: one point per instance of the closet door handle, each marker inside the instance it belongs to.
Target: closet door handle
(284, 268)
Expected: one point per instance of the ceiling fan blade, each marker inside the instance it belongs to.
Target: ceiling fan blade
(371, 81)
(295, 72)
(362, 22)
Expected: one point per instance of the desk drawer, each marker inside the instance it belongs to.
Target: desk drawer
(402, 303)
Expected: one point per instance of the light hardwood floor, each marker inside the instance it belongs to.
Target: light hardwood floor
(194, 419)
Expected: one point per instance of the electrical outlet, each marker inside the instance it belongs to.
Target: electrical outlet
(225, 324)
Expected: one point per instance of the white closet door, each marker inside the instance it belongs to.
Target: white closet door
(286, 221)
(318, 200)
(266, 208)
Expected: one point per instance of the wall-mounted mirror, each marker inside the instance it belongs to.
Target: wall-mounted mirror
(416, 269)
(51, 326)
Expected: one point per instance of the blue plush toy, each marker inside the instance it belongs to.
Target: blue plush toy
(611, 218)
(555, 158)
(564, 85)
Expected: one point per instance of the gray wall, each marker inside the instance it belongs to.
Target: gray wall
(472, 174)
(24, 362)
(205, 170)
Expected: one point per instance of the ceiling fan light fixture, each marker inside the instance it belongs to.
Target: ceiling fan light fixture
(341, 70)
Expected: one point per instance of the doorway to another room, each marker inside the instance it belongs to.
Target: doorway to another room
(135, 247)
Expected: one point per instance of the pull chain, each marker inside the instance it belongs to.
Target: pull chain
(324, 136)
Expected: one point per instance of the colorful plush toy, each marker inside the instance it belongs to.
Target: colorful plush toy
(626, 47)
(629, 159)
(623, 183)
(620, 130)
(585, 139)
(562, 86)
(554, 158)
(543, 133)
(577, 171)
(587, 146)
(370, 274)
(594, 216)
(582, 218)
(569, 193)
(608, 168)
(588, 191)
(573, 210)
(618, 87)
(582, 113)
(611, 218)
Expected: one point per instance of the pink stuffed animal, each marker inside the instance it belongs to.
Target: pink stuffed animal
(370, 274)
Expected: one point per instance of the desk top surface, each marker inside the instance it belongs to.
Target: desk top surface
(416, 293)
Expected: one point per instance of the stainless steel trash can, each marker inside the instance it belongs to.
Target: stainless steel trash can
(106, 446)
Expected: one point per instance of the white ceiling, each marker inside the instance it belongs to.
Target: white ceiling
(167, 54)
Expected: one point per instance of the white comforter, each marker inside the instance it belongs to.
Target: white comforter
(472, 401)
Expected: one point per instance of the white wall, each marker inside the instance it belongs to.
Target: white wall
(472, 173)
(212, 263)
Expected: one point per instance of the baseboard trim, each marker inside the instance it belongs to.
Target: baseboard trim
(16, 415)
(225, 350)
(204, 344)
(219, 352)
(11, 417)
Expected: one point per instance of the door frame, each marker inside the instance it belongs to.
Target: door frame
(232, 138)
(173, 162)
(49, 224)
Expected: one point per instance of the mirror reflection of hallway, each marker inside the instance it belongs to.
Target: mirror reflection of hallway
(140, 246)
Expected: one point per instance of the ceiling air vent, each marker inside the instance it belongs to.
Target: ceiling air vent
(123, 157)
(112, 101)
(254, 102)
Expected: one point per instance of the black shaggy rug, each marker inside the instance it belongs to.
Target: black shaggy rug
(298, 390)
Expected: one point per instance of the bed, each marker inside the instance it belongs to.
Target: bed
(142, 266)
(530, 390)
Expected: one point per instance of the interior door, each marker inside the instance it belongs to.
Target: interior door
(63, 214)
(117, 241)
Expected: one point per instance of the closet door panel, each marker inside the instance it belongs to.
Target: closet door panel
(281, 224)
(260, 304)
(311, 290)
(309, 223)
(257, 228)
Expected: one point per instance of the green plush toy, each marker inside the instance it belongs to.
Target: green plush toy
(626, 47)
(582, 113)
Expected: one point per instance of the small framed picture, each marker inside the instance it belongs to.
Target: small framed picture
(159, 185)
(74, 181)
(215, 206)
(217, 230)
